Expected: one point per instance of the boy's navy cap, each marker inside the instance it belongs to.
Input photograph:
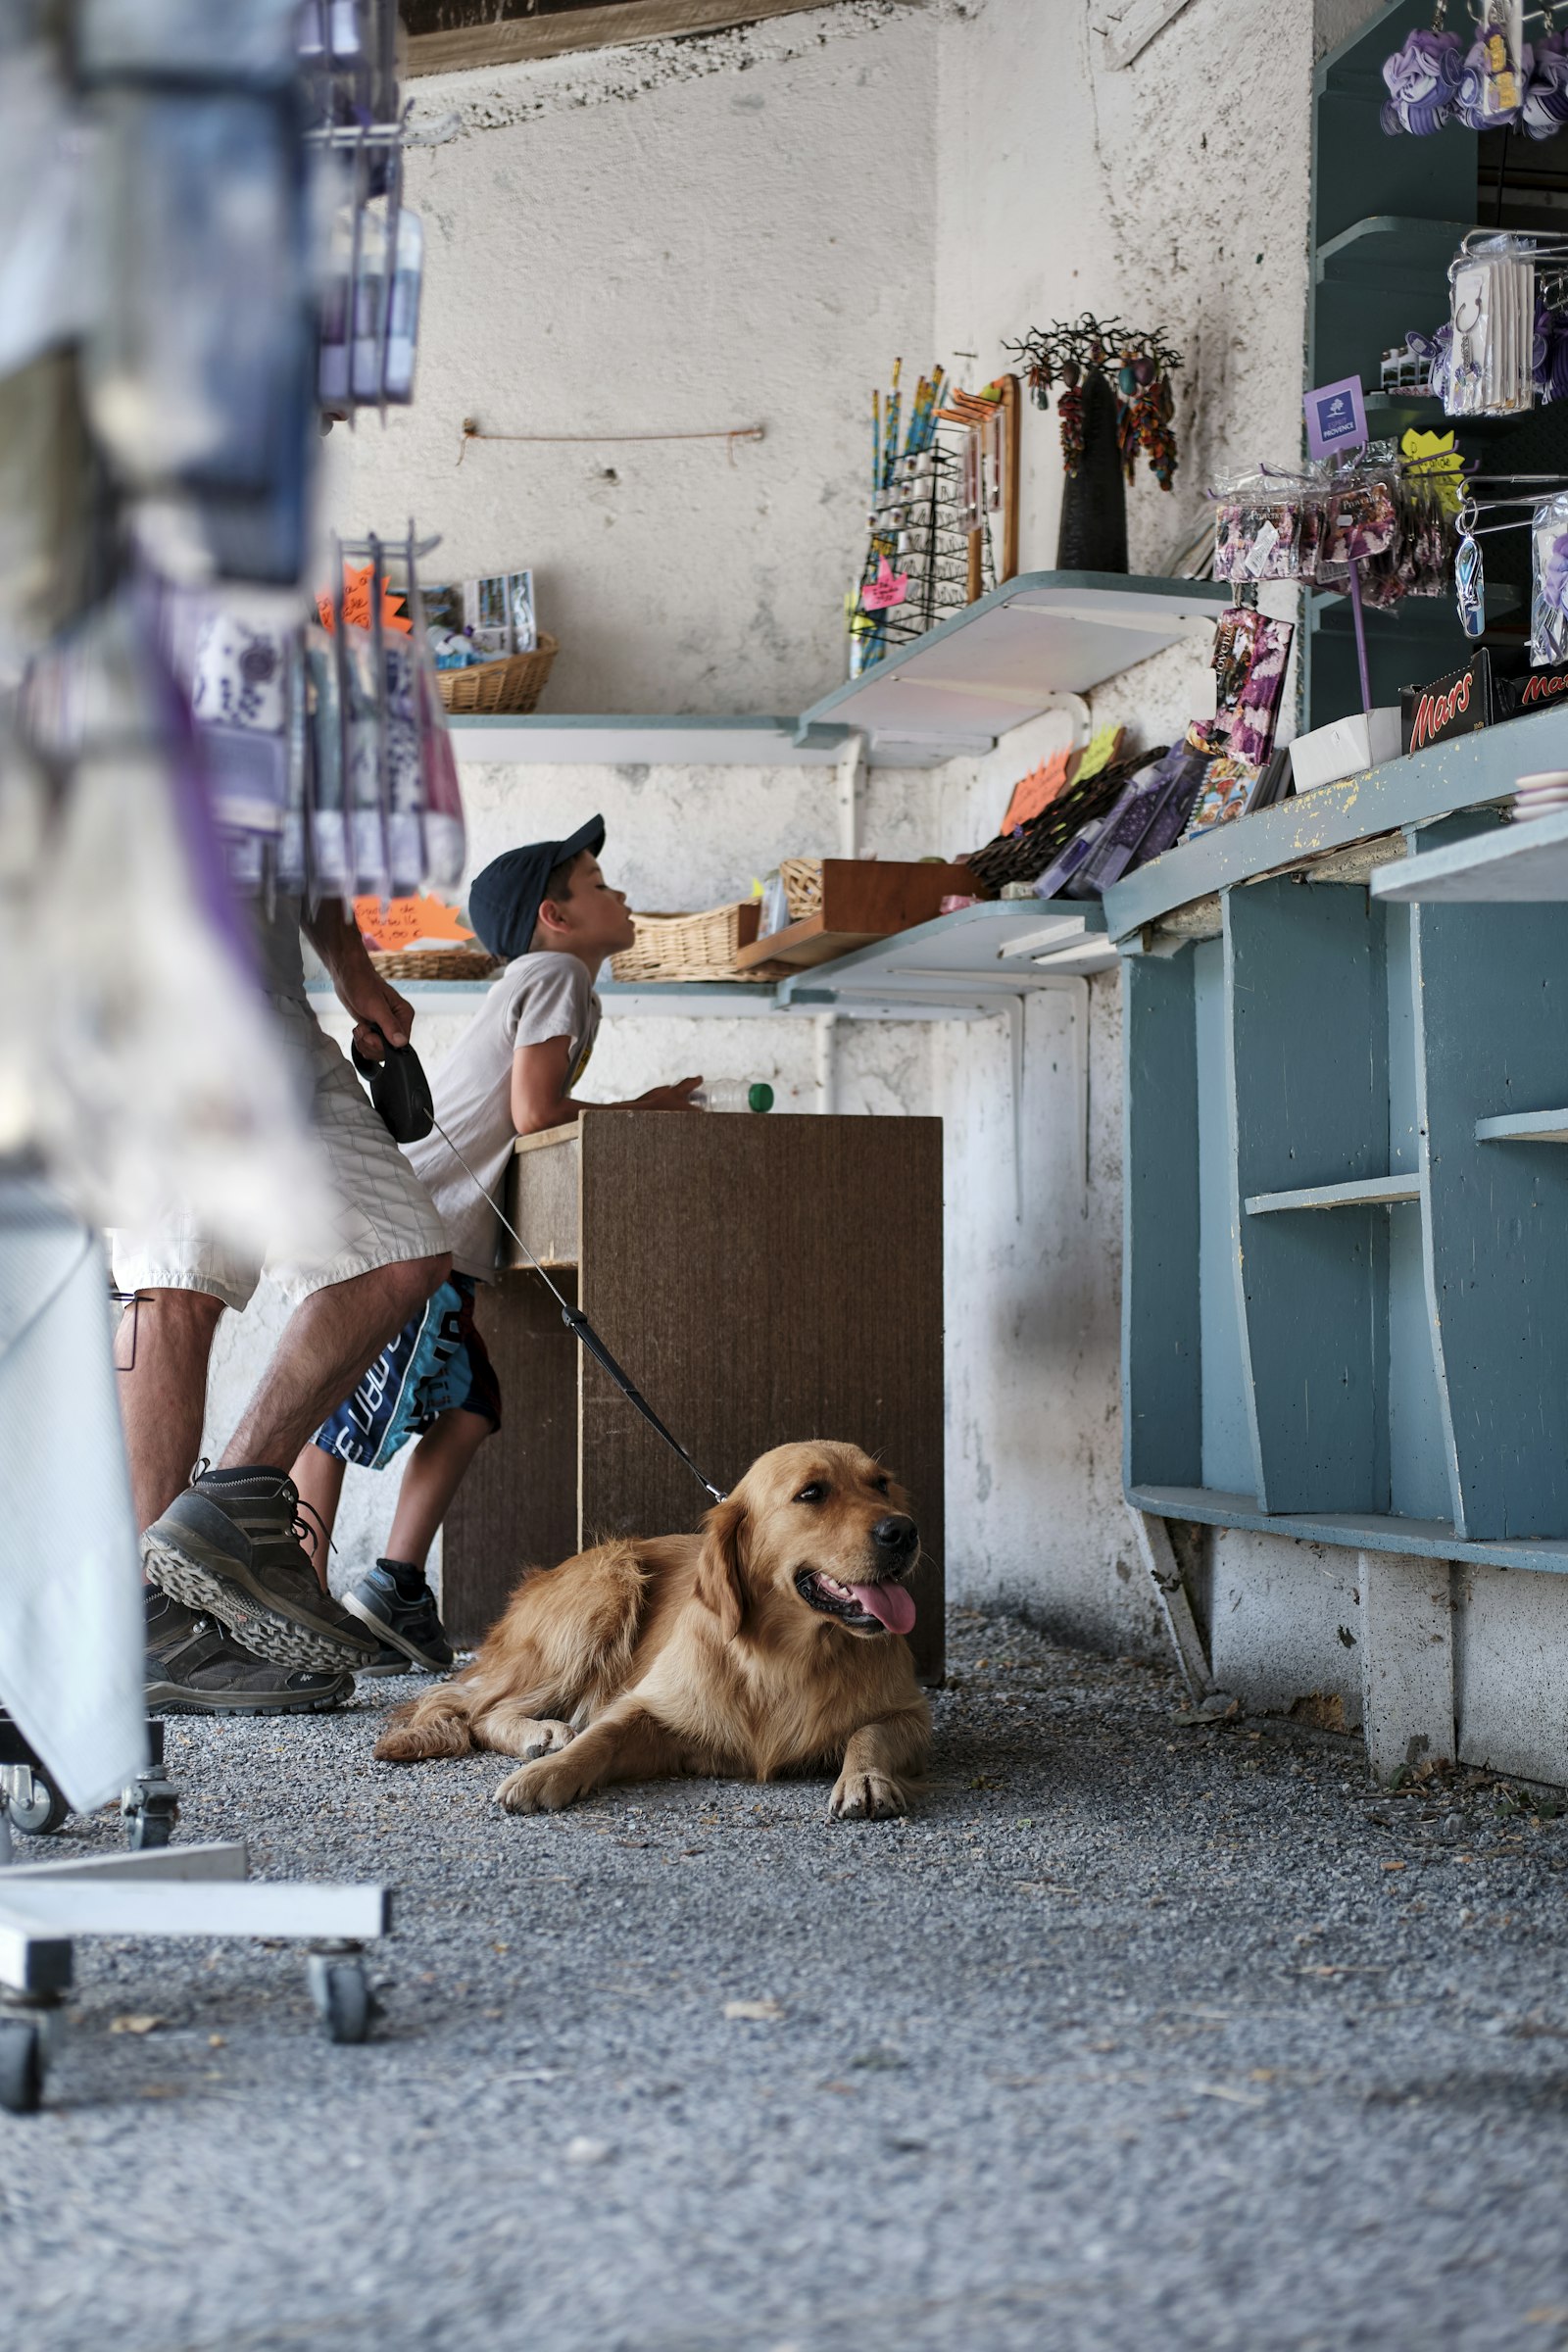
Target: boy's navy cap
(503, 900)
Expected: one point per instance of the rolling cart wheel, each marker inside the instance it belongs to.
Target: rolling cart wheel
(22, 2065)
(341, 1992)
(44, 1812)
(146, 1830)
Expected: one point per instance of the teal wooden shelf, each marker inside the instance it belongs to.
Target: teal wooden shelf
(1393, 1375)
(1466, 772)
(1366, 1192)
(1429, 1539)
(1524, 1127)
(1392, 252)
(1522, 864)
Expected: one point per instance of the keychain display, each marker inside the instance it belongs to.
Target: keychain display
(1492, 303)
(1499, 81)
(1386, 514)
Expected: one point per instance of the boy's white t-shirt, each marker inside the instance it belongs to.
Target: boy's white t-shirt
(537, 997)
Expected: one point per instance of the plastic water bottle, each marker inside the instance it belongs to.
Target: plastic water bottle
(733, 1094)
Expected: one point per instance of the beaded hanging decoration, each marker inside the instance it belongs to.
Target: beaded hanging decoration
(1065, 353)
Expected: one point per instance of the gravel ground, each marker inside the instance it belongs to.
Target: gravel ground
(1137, 2033)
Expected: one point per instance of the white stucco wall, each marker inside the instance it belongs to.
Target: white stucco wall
(660, 239)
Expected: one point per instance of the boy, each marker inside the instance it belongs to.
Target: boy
(549, 910)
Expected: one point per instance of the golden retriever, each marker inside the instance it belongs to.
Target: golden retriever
(770, 1642)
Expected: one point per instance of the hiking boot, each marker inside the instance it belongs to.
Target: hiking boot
(394, 1600)
(230, 1547)
(193, 1668)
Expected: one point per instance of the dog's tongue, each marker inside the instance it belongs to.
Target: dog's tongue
(890, 1602)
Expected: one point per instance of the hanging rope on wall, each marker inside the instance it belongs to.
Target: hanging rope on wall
(473, 431)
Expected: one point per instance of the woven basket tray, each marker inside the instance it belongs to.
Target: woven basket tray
(436, 963)
(513, 683)
(801, 878)
(694, 947)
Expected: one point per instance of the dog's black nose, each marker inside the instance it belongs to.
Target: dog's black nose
(895, 1535)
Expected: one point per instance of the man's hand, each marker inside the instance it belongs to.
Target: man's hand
(361, 989)
(667, 1097)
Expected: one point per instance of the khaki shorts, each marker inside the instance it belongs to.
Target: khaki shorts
(386, 1215)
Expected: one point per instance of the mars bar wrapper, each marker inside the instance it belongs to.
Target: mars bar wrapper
(1455, 705)
(1539, 690)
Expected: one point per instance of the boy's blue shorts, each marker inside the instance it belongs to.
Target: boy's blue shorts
(437, 1362)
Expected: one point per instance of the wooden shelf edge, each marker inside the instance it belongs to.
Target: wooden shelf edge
(1429, 1539)
(1367, 1192)
(1524, 1127)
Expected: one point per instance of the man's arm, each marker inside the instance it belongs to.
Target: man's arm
(539, 1096)
(335, 936)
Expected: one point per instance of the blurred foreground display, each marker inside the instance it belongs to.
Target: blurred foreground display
(204, 262)
(202, 244)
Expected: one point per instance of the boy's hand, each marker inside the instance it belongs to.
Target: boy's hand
(667, 1097)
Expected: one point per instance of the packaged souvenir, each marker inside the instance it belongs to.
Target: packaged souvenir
(1548, 606)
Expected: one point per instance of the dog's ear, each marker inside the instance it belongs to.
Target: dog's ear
(721, 1563)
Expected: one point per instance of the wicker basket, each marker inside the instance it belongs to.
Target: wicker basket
(513, 683)
(801, 878)
(436, 963)
(693, 947)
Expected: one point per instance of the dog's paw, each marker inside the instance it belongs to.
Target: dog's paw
(545, 1738)
(866, 1797)
(544, 1787)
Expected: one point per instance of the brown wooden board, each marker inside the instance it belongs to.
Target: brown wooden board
(862, 899)
(763, 1280)
(517, 1506)
(450, 36)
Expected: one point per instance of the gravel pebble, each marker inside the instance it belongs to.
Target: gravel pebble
(1133, 2034)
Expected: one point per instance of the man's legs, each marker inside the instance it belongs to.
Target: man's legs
(331, 1339)
(231, 1545)
(163, 1398)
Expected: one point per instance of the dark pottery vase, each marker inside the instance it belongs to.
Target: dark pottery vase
(1093, 536)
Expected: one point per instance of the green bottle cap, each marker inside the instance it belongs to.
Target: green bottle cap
(760, 1097)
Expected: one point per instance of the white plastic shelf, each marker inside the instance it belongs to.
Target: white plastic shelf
(959, 967)
(611, 740)
(1004, 660)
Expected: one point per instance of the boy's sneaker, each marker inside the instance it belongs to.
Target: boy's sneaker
(193, 1668)
(230, 1547)
(394, 1600)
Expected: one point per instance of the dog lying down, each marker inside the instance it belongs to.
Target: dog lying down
(772, 1642)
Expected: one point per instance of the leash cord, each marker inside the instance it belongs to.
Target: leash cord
(578, 1325)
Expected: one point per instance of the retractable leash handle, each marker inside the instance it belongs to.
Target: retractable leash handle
(582, 1329)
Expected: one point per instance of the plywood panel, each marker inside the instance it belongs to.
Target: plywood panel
(764, 1280)
(517, 1506)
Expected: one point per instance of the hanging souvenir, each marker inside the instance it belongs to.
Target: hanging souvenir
(1545, 102)
(1470, 585)
(1423, 79)
(1492, 86)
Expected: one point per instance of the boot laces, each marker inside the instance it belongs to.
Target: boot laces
(304, 1532)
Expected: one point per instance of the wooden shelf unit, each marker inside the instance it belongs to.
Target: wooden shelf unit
(1400, 1363)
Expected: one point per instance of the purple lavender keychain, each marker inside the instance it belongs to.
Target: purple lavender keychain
(1423, 79)
(1545, 106)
